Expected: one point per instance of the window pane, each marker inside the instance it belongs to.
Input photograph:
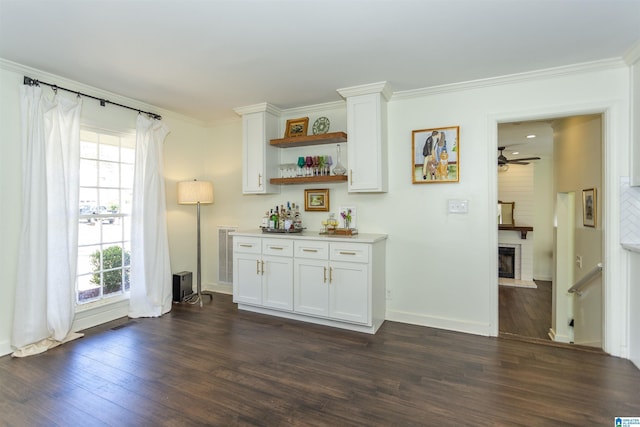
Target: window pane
(110, 201)
(87, 291)
(109, 147)
(127, 198)
(126, 175)
(109, 174)
(88, 259)
(88, 234)
(111, 230)
(89, 172)
(128, 154)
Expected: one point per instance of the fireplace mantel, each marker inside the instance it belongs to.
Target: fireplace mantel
(523, 230)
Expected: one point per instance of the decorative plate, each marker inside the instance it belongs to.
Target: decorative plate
(321, 125)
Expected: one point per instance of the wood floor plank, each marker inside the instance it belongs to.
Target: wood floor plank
(219, 366)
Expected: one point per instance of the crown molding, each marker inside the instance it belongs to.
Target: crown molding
(262, 107)
(632, 55)
(605, 64)
(317, 108)
(91, 90)
(367, 89)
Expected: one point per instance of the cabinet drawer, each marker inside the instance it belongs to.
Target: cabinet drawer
(277, 247)
(246, 245)
(311, 249)
(350, 252)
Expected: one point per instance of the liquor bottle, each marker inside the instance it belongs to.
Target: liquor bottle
(265, 220)
(281, 217)
(274, 218)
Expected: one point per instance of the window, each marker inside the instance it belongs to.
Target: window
(104, 229)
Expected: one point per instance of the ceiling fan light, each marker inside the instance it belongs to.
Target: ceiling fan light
(503, 168)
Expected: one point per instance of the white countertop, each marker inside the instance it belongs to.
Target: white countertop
(633, 247)
(313, 235)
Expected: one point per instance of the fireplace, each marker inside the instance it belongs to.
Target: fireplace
(507, 262)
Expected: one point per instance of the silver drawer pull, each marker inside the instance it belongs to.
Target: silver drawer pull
(347, 253)
(309, 250)
(276, 247)
(244, 245)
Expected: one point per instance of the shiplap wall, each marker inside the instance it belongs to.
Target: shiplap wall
(516, 185)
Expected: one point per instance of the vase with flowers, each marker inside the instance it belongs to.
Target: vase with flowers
(346, 216)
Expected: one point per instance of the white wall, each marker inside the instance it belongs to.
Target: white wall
(440, 267)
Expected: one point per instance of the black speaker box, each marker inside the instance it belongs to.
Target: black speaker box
(182, 285)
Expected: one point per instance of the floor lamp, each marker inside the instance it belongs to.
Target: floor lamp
(196, 193)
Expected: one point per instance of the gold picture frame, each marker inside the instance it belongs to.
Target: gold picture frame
(589, 207)
(296, 127)
(435, 155)
(316, 200)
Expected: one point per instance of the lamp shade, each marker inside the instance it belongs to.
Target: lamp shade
(192, 192)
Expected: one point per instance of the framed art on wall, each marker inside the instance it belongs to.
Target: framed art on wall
(589, 207)
(435, 155)
(316, 200)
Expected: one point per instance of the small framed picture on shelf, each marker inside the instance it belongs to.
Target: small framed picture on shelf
(296, 127)
(589, 207)
(316, 200)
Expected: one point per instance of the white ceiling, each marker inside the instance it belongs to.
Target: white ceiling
(203, 58)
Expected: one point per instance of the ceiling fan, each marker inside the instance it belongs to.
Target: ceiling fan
(502, 160)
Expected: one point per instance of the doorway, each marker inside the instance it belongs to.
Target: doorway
(570, 154)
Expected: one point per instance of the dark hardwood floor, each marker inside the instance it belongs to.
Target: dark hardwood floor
(525, 312)
(219, 366)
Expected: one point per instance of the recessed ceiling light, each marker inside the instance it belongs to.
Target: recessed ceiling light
(515, 152)
(531, 136)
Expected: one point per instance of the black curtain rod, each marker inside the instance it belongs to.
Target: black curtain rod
(33, 82)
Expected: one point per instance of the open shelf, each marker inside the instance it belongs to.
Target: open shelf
(303, 141)
(522, 230)
(309, 179)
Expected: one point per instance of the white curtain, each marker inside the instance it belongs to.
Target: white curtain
(47, 259)
(151, 287)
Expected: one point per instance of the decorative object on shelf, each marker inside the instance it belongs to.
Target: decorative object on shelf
(296, 127)
(435, 155)
(196, 193)
(348, 217)
(316, 200)
(329, 225)
(339, 169)
(589, 207)
(321, 125)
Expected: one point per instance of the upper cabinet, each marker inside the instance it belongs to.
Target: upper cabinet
(259, 158)
(367, 129)
(634, 62)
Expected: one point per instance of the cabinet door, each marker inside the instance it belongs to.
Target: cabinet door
(260, 161)
(247, 279)
(367, 148)
(349, 292)
(277, 282)
(311, 287)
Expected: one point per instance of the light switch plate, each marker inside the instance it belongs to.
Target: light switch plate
(458, 206)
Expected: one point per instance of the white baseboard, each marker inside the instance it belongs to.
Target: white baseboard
(457, 325)
(219, 288)
(558, 338)
(5, 348)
